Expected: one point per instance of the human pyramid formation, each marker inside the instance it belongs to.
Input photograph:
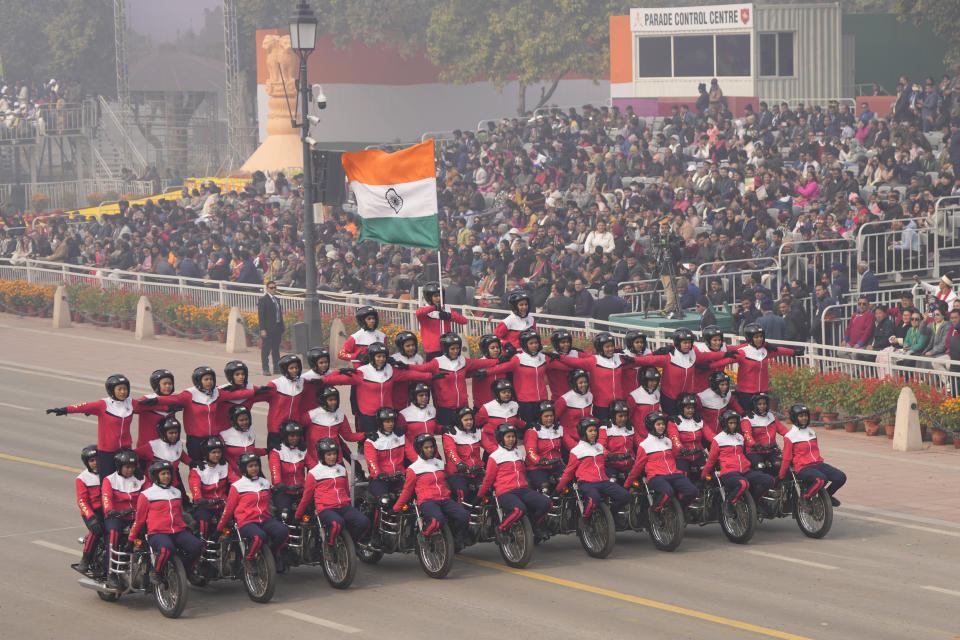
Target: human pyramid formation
(617, 413)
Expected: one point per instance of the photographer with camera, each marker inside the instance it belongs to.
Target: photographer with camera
(666, 246)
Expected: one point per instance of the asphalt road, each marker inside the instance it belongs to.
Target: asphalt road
(872, 577)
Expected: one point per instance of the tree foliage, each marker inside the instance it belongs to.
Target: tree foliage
(942, 16)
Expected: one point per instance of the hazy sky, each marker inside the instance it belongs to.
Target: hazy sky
(162, 19)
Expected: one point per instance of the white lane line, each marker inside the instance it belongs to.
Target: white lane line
(15, 406)
(28, 533)
(336, 626)
(883, 456)
(873, 511)
(58, 547)
(816, 565)
(855, 516)
(949, 592)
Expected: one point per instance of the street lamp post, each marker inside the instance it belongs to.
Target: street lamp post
(303, 40)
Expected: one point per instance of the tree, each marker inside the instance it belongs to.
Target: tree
(79, 44)
(942, 16)
(527, 41)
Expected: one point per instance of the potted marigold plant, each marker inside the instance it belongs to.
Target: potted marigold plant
(828, 390)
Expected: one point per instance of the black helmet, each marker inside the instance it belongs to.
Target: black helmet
(650, 374)
(365, 311)
(449, 340)
(557, 336)
(327, 392)
(154, 472)
(88, 453)
(197, 376)
(324, 445)
(757, 398)
(234, 413)
(459, 416)
(245, 459)
(404, 337)
(680, 335)
(543, 407)
(499, 385)
(796, 411)
(377, 348)
(582, 427)
(601, 339)
(685, 400)
(514, 300)
(417, 388)
(289, 428)
(208, 444)
(421, 440)
(157, 376)
(168, 424)
(502, 430)
(716, 379)
(382, 415)
(725, 417)
(650, 422)
(575, 374)
(753, 329)
(429, 290)
(285, 363)
(314, 355)
(484, 343)
(232, 367)
(632, 336)
(618, 406)
(122, 457)
(526, 336)
(710, 333)
(115, 381)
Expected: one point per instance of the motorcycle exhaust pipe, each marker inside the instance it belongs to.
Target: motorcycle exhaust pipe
(96, 586)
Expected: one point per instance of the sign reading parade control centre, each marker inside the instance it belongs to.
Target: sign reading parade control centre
(724, 17)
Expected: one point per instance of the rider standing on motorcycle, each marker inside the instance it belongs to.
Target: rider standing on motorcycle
(406, 354)
(419, 416)
(688, 433)
(462, 449)
(355, 347)
(490, 348)
(385, 450)
(248, 502)
(161, 381)
(618, 438)
(505, 473)
(435, 319)
(529, 367)
(119, 493)
(327, 421)
(209, 480)
(240, 437)
(558, 379)
(574, 405)
(502, 408)
(760, 429)
(114, 417)
(520, 320)
(543, 442)
(288, 465)
(237, 376)
(90, 504)
(635, 345)
(318, 359)
(644, 399)
(450, 370)
(586, 464)
(160, 510)
(736, 474)
(655, 456)
(801, 450)
(606, 368)
(167, 447)
(753, 357)
(711, 340)
(716, 399)
(329, 489)
(425, 477)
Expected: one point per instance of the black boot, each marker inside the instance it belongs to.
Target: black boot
(84, 566)
(250, 567)
(155, 578)
(834, 501)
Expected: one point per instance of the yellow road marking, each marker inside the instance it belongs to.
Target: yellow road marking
(39, 463)
(653, 604)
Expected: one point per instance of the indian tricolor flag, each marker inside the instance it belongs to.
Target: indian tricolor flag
(396, 195)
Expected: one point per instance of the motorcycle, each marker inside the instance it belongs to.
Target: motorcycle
(596, 532)
(813, 515)
(665, 527)
(402, 532)
(117, 572)
(738, 521)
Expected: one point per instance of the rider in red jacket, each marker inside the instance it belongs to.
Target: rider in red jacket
(209, 482)
(419, 416)
(606, 368)
(644, 399)
(450, 371)
(736, 474)
(619, 438)
(406, 354)
(711, 340)
(574, 405)
(288, 465)
(655, 457)
(327, 421)
(503, 408)
(800, 449)
(385, 452)
(328, 492)
(318, 359)
(435, 319)
(715, 399)
(760, 429)
(635, 345)
(426, 478)
(490, 348)
(688, 433)
(240, 437)
(89, 503)
(586, 463)
(543, 442)
(529, 368)
(520, 320)
(559, 379)
(753, 358)
(505, 473)
(463, 452)
(167, 446)
(161, 381)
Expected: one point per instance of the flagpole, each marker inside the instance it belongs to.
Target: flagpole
(439, 268)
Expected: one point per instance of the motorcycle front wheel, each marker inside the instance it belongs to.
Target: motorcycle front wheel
(814, 515)
(666, 526)
(739, 521)
(171, 594)
(339, 561)
(261, 585)
(436, 552)
(598, 532)
(516, 543)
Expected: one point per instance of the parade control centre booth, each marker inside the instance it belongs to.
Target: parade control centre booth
(790, 52)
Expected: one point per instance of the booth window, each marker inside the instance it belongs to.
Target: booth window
(733, 55)
(692, 56)
(653, 58)
(776, 54)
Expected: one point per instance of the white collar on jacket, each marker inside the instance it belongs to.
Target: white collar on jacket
(586, 450)
(324, 472)
(202, 397)
(421, 466)
(513, 322)
(286, 386)
(446, 364)
(527, 360)
(235, 438)
(293, 456)
(323, 418)
(641, 395)
(119, 408)
(246, 485)
(413, 413)
(501, 455)
(576, 400)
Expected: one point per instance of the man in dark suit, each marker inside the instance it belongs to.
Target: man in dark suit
(270, 319)
(707, 319)
(609, 304)
(868, 281)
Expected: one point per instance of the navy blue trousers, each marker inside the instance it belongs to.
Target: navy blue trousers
(166, 544)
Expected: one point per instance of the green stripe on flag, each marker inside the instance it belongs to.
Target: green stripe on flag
(419, 232)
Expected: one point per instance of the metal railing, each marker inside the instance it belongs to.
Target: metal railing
(72, 119)
(128, 149)
(72, 194)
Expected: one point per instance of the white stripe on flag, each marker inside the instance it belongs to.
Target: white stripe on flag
(405, 200)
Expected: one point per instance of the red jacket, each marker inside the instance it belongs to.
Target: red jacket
(356, 345)
(542, 443)
(427, 479)
(490, 415)
(586, 462)
(308, 402)
(248, 501)
(329, 488)
(753, 370)
(571, 408)
(161, 510)
(557, 378)
(236, 442)
(529, 374)
(761, 429)
(655, 457)
(158, 449)
(88, 493)
(118, 493)
(401, 388)
(375, 386)
(618, 441)
(678, 369)
(728, 449)
(710, 405)
(221, 419)
(859, 329)
(284, 398)
(799, 449)
(505, 472)
(413, 421)
(321, 423)
(114, 418)
(432, 327)
(606, 375)
(287, 466)
(701, 374)
(642, 402)
(450, 392)
(209, 483)
(462, 446)
(510, 327)
(147, 424)
(384, 453)
(200, 409)
(633, 377)
(480, 387)
(688, 433)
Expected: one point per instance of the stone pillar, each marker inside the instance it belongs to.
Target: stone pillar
(61, 309)
(338, 335)
(144, 328)
(907, 436)
(236, 332)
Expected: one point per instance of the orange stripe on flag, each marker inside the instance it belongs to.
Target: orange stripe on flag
(377, 167)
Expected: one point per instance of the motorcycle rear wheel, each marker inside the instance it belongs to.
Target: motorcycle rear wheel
(666, 527)
(597, 533)
(516, 543)
(339, 561)
(172, 597)
(436, 552)
(740, 523)
(815, 515)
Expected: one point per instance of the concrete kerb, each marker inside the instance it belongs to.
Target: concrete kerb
(144, 327)
(236, 332)
(907, 435)
(61, 309)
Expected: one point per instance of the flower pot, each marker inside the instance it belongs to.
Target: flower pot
(956, 443)
(871, 427)
(170, 332)
(157, 329)
(938, 437)
(222, 337)
(850, 427)
(208, 337)
(815, 414)
(889, 428)
(830, 417)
